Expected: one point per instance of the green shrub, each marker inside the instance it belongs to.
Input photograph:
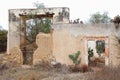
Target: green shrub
(90, 53)
(40, 25)
(76, 61)
(100, 46)
(74, 58)
(3, 40)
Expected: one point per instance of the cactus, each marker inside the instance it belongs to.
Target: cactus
(74, 58)
(90, 53)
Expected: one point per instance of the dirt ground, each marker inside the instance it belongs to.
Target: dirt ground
(26, 73)
(12, 71)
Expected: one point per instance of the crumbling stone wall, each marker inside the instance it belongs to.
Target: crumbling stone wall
(61, 15)
(65, 39)
(69, 38)
(64, 44)
(114, 57)
(14, 56)
(44, 50)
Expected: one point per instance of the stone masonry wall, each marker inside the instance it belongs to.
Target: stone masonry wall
(64, 44)
(61, 15)
(44, 49)
(114, 53)
(69, 38)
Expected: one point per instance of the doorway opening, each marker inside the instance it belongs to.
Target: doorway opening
(31, 25)
(96, 52)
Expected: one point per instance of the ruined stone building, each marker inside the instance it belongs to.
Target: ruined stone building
(65, 38)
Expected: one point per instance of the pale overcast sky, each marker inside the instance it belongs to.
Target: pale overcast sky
(78, 8)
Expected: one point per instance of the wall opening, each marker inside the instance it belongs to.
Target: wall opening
(100, 47)
(97, 47)
(31, 26)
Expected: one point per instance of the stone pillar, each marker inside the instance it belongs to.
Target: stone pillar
(8, 36)
(114, 51)
(13, 37)
(106, 51)
(86, 53)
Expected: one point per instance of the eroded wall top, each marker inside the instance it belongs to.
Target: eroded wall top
(86, 30)
(61, 14)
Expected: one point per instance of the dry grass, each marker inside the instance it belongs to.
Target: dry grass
(8, 71)
(106, 73)
(56, 72)
(22, 74)
(59, 72)
(39, 73)
(33, 74)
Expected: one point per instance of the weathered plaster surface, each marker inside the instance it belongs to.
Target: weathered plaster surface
(65, 38)
(69, 38)
(15, 55)
(114, 57)
(44, 49)
(87, 30)
(64, 43)
(61, 15)
(62, 12)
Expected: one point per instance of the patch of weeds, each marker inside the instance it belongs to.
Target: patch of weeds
(107, 73)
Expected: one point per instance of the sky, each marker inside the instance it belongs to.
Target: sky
(82, 9)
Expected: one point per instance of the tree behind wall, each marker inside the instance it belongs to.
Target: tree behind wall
(36, 25)
(3, 40)
(39, 5)
(99, 18)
